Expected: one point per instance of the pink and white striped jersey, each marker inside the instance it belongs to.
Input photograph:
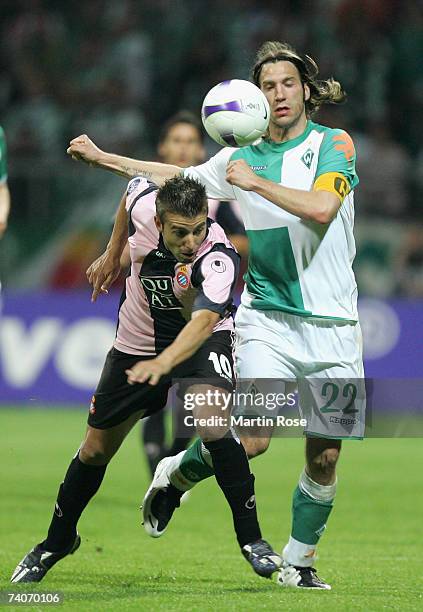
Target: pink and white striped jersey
(161, 293)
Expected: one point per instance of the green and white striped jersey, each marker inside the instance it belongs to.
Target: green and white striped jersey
(295, 266)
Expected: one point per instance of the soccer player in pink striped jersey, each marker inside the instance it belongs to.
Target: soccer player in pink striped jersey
(175, 316)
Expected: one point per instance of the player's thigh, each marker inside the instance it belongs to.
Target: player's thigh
(100, 445)
(212, 364)
(211, 411)
(206, 385)
(264, 345)
(332, 396)
(116, 405)
(265, 366)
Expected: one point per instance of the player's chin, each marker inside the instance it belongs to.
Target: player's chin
(186, 258)
(284, 121)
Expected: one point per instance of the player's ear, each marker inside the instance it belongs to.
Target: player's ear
(306, 92)
(158, 223)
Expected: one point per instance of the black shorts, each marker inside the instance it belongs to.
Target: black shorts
(115, 399)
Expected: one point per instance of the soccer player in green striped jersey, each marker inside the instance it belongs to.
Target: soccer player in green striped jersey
(298, 315)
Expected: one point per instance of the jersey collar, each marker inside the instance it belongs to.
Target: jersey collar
(281, 147)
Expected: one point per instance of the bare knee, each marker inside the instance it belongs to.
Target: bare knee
(211, 434)
(322, 467)
(93, 454)
(255, 446)
(100, 445)
(327, 460)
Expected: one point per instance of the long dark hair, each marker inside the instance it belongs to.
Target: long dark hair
(321, 92)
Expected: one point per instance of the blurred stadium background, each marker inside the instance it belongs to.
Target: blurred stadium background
(117, 71)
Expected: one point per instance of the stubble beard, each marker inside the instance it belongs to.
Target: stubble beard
(283, 129)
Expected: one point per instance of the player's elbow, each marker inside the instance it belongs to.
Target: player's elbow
(208, 320)
(170, 171)
(210, 323)
(325, 208)
(323, 215)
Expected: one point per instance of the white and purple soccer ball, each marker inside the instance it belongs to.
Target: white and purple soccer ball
(235, 113)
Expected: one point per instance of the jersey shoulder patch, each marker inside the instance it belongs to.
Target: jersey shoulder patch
(343, 142)
(138, 183)
(337, 155)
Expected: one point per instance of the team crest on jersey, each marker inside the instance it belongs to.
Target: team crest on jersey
(182, 278)
(307, 158)
(253, 390)
(133, 185)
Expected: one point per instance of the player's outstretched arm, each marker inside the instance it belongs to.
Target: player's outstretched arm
(82, 148)
(105, 269)
(186, 343)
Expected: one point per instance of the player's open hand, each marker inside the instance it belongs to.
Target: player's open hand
(82, 148)
(102, 273)
(151, 371)
(239, 173)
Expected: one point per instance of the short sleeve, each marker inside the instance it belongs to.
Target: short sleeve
(337, 155)
(215, 276)
(226, 217)
(141, 226)
(212, 175)
(136, 188)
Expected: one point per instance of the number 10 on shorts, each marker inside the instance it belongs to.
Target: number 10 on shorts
(221, 364)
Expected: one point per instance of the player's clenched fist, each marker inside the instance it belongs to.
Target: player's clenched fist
(102, 273)
(239, 173)
(82, 148)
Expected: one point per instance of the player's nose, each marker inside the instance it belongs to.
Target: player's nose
(189, 243)
(279, 92)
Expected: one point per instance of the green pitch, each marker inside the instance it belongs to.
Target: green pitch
(372, 552)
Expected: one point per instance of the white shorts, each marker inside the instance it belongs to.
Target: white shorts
(321, 357)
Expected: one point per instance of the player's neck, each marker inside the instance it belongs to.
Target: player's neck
(281, 134)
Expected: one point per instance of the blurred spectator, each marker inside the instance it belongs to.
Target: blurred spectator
(112, 120)
(409, 264)
(383, 166)
(68, 68)
(129, 50)
(35, 124)
(181, 142)
(377, 247)
(78, 252)
(406, 74)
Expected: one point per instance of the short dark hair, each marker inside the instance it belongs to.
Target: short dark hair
(321, 92)
(183, 196)
(181, 117)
